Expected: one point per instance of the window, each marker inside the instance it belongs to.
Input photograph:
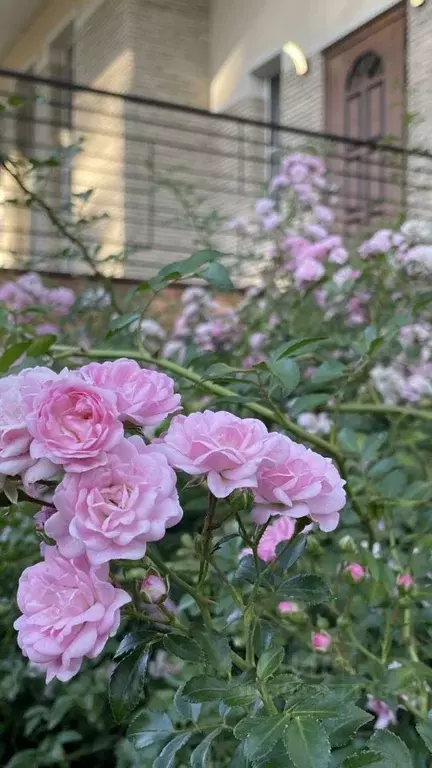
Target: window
(365, 98)
(274, 85)
(25, 117)
(62, 67)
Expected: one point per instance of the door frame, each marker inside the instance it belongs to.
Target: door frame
(397, 12)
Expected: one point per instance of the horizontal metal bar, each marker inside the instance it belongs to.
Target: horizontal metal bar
(217, 116)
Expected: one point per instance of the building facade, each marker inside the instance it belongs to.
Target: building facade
(361, 71)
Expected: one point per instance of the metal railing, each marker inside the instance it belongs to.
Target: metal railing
(154, 180)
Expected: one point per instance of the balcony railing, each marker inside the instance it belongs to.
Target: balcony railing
(147, 181)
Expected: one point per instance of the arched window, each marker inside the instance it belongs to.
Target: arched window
(365, 98)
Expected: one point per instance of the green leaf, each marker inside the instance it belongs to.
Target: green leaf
(25, 759)
(321, 705)
(127, 683)
(167, 756)
(424, 729)
(286, 371)
(340, 730)
(186, 709)
(216, 650)
(270, 662)
(260, 734)
(239, 758)
(328, 371)
(393, 484)
(118, 323)
(349, 440)
(361, 759)
(246, 570)
(307, 588)
(288, 554)
(218, 275)
(133, 640)
(239, 694)
(200, 755)
(308, 403)
(183, 647)
(12, 354)
(149, 728)
(306, 743)
(203, 688)
(298, 344)
(394, 751)
(41, 345)
(285, 685)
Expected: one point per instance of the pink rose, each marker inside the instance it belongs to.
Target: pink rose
(356, 571)
(143, 396)
(112, 511)
(281, 530)
(264, 206)
(297, 482)
(42, 516)
(61, 299)
(69, 610)
(345, 274)
(73, 423)
(153, 587)
(16, 397)
(405, 581)
(308, 271)
(385, 715)
(323, 213)
(222, 446)
(287, 606)
(321, 641)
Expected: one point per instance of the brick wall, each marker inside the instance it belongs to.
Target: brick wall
(171, 50)
(419, 75)
(302, 97)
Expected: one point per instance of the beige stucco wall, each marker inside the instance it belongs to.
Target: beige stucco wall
(32, 45)
(245, 33)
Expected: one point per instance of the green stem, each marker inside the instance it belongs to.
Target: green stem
(267, 699)
(385, 410)
(233, 592)
(216, 389)
(241, 663)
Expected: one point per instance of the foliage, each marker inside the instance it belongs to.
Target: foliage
(318, 656)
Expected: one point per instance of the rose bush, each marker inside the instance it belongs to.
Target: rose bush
(249, 488)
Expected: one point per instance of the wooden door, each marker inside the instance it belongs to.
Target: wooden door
(365, 99)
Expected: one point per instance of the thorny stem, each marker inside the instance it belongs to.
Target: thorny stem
(233, 592)
(38, 201)
(207, 538)
(209, 386)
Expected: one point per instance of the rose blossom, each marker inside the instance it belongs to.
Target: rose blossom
(112, 511)
(296, 482)
(222, 446)
(385, 715)
(73, 423)
(287, 606)
(143, 396)
(153, 587)
(281, 530)
(321, 641)
(16, 398)
(356, 571)
(69, 610)
(405, 581)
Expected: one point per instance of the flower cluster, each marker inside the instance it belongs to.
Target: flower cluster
(286, 478)
(114, 495)
(28, 293)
